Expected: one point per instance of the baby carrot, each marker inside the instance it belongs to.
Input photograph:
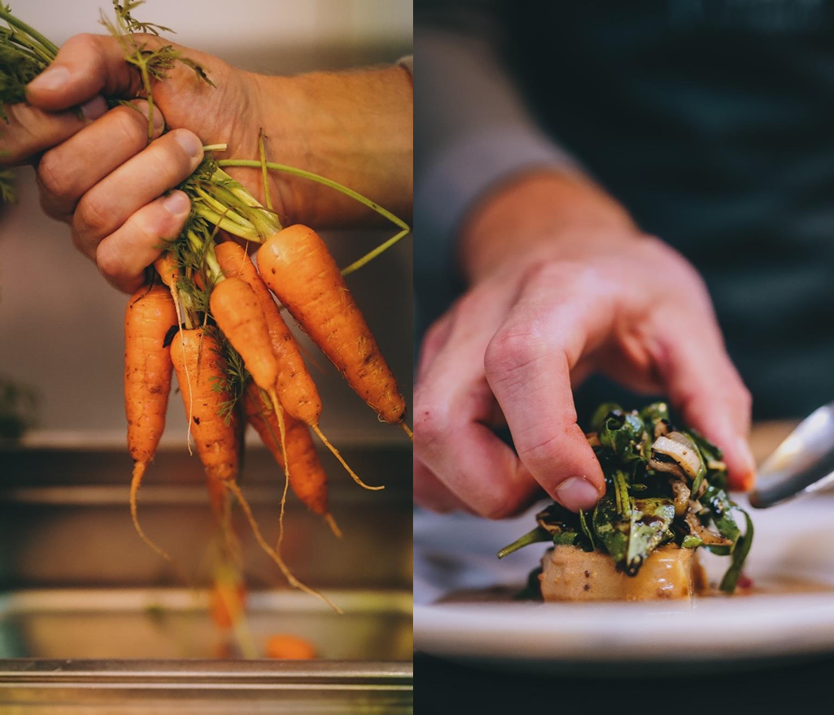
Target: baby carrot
(149, 316)
(298, 268)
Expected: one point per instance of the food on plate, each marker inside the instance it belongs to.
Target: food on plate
(665, 498)
(571, 574)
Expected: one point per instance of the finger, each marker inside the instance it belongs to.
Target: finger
(431, 493)
(453, 402)
(123, 256)
(163, 165)
(436, 337)
(30, 131)
(72, 168)
(705, 387)
(86, 65)
(560, 314)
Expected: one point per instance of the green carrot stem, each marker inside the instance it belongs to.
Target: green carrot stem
(228, 190)
(218, 219)
(23, 27)
(215, 271)
(272, 166)
(223, 209)
(264, 168)
(368, 257)
(30, 47)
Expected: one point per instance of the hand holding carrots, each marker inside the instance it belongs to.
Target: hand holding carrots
(562, 285)
(98, 172)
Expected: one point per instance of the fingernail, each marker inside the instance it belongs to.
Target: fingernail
(577, 493)
(51, 80)
(746, 457)
(158, 119)
(177, 204)
(95, 108)
(190, 143)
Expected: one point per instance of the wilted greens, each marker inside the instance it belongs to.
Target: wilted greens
(663, 486)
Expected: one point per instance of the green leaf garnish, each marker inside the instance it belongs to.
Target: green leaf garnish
(637, 514)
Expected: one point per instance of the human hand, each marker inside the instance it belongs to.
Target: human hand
(551, 301)
(97, 173)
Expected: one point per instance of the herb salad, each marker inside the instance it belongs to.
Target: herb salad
(663, 486)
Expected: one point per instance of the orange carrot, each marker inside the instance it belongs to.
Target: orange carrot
(298, 268)
(295, 386)
(200, 373)
(200, 370)
(227, 603)
(307, 477)
(149, 316)
(245, 325)
(166, 266)
(283, 646)
(239, 315)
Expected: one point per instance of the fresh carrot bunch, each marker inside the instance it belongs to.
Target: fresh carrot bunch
(210, 316)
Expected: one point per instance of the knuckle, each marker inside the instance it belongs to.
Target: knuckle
(130, 125)
(556, 272)
(431, 423)
(468, 306)
(83, 41)
(169, 161)
(510, 349)
(434, 333)
(502, 504)
(110, 262)
(534, 450)
(91, 216)
(54, 177)
(85, 46)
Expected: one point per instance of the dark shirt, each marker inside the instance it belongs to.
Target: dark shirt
(713, 123)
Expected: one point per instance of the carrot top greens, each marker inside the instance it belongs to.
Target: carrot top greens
(663, 486)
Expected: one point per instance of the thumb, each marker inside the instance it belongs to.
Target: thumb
(87, 65)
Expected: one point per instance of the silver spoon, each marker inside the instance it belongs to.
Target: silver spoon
(802, 464)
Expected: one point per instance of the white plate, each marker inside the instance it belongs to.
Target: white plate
(793, 543)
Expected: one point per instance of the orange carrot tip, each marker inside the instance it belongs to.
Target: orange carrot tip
(149, 315)
(135, 483)
(342, 461)
(334, 527)
(256, 531)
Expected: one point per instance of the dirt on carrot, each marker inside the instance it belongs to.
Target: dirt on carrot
(149, 316)
(297, 266)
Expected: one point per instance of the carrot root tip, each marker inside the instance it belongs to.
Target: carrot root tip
(293, 581)
(342, 461)
(135, 483)
(334, 527)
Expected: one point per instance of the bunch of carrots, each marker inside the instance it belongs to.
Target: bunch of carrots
(208, 314)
